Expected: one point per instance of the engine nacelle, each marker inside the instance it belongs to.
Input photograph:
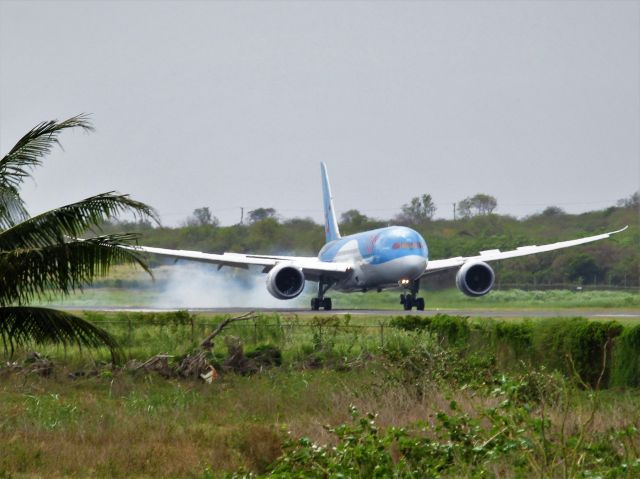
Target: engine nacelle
(285, 281)
(475, 278)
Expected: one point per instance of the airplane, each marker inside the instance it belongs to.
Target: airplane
(384, 258)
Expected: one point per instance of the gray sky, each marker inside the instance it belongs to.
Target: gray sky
(229, 104)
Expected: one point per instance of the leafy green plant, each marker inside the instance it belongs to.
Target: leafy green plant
(517, 434)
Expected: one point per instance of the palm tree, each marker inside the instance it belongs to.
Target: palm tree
(43, 254)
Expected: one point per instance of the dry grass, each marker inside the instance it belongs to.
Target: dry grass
(150, 427)
(131, 428)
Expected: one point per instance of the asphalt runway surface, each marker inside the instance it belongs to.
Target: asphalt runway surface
(488, 313)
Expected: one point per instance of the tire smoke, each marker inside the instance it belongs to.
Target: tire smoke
(193, 285)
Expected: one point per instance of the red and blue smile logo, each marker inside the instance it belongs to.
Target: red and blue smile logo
(372, 243)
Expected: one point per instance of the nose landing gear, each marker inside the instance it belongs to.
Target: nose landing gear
(410, 300)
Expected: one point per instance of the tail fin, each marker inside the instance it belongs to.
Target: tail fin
(330, 224)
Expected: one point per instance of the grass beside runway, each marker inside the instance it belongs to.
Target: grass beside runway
(116, 423)
(386, 300)
(205, 287)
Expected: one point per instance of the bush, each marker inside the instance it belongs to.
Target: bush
(576, 346)
(625, 369)
(453, 330)
(410, 323)
(513, 342)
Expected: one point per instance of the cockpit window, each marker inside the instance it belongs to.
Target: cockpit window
(407, 245)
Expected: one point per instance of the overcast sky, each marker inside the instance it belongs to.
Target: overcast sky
(229, 104)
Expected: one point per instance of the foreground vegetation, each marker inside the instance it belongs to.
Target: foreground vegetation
(413, 397)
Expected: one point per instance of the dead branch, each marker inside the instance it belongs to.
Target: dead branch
(208, 345)
(149, 363)
(196, 364)
(193, 366)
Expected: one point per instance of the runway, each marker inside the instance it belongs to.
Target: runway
(482, 313)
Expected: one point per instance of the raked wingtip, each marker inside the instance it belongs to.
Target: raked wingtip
(620, 230)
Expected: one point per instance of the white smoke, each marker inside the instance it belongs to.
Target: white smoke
(194, 285)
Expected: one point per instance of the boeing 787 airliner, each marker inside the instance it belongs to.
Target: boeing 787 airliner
(392, 257)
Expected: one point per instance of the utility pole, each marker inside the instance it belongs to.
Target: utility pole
(241, 214)
(454, 212)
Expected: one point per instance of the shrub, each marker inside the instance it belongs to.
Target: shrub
(453, 330)
(625, 370)
(576, 346)
(512, 342)
(410, 323)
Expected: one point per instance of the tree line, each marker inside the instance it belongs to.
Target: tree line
(615, 262)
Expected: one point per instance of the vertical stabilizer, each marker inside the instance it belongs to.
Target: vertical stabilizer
(330, 224)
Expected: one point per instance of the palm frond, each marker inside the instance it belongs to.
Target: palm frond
(16, 165)
(29, 273)
(22, 326)
(12, 209)
(55, 226)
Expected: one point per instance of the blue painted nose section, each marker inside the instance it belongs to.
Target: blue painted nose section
(400, 242)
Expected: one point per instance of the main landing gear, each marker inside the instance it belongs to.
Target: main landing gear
(321, 301)
(410, 300)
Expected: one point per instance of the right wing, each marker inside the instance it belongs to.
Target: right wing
(311, 266)
(434, 266)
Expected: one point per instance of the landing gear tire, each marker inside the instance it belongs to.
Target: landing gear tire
(315, 304)
(320, 301)
(408, 302)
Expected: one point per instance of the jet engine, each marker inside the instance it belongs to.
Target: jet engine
(285, 281)
(475, 278)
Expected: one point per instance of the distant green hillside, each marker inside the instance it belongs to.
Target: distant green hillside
(611, 263)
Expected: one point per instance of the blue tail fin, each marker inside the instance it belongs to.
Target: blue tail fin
(330, 224)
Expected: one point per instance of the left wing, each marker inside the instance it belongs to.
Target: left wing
(311, 266)
(495, 254)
